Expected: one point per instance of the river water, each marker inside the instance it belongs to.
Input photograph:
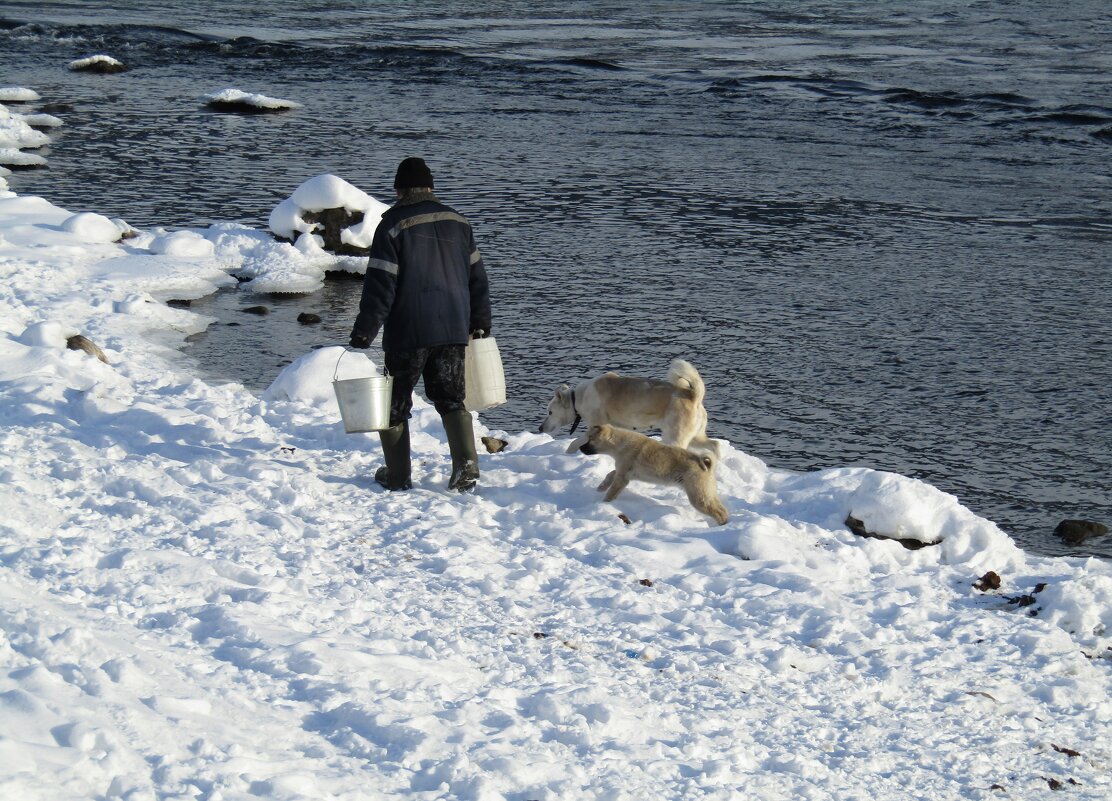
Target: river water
(881, 231)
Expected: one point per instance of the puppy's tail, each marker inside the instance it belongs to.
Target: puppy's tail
(702, 443)
(683, 374)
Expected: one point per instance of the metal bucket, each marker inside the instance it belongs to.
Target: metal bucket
(364, 402)
(483, 374)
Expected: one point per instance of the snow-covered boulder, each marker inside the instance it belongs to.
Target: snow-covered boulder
(42, 120)
(91, 227)
(901, 508)
(13, 157)
(309, 379)
(46, 334)
(16, 133)
(100, 64)
(18, 94)
(246, 102)
(343, 216)
(182, 243)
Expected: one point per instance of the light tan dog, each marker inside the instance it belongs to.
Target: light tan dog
(674, 405)
(638, 457)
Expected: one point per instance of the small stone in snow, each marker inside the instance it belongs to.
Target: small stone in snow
(989, 581)
(494, 445)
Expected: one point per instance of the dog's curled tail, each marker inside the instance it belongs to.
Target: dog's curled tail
(681, 372)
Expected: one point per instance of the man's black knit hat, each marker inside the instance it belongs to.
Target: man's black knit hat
(412, 173)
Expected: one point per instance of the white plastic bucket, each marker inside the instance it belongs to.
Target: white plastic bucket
(482, 370)
(364, 402)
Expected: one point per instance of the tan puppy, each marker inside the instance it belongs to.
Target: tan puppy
(638, 457)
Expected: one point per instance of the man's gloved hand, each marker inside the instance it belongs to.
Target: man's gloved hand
(480, 333)
(359, 341)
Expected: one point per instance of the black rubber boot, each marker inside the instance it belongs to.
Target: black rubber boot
(461, 442)
(395, 448)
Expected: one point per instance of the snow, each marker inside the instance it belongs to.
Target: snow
(16, 132)
(42, 120)
(182, 243)
(46, 335)
(309, 379)
(14, 157)
(327, 192)
(92, 227)
(18, 94)
(239, 97)
(267, 266)
(204, 595)
(100, 58)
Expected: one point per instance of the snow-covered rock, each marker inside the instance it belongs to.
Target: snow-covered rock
(92, 227)
(15, 132)
(13, 157)
(238, 100)
(188, 244)
(18, 94)
(99, 63)
(323, 193)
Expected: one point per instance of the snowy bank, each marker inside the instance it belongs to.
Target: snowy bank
(203, 594)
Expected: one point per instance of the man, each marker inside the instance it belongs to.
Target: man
(426, 287)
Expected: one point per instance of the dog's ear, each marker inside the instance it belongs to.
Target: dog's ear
(563, 392)
(594, 431)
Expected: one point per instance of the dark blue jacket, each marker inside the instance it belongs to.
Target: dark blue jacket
(425, 279)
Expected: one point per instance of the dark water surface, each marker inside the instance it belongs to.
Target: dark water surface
(882, 231)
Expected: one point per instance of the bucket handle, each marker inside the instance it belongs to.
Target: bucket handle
(345, 352)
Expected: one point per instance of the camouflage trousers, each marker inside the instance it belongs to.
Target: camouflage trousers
(441, 367)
